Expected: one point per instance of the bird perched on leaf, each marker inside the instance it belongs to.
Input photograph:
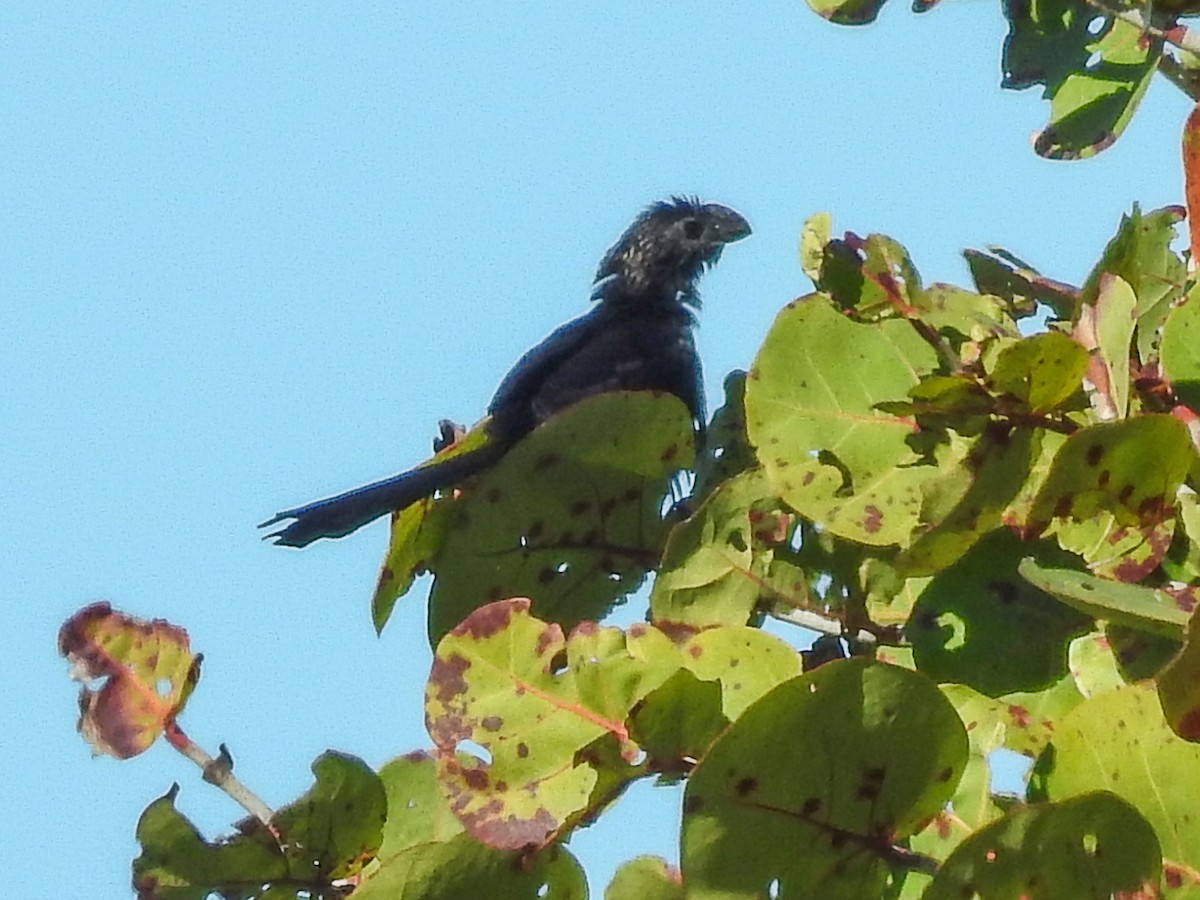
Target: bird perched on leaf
(637, 338)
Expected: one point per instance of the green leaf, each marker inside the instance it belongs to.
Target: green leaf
(726, 450)
(1021, 722)
(1088, 846)
(847, 12)
(979, 623)
(1140, 254)
(998, 272)
(715, 564)
(746, 662)
(1115, 310)
(570, 517)
(1041, 372)
(764, 805)
(813, 238)
(1144, 608)
(949, 308)
(338, 824)
(678, 720)
(417, 811)
(1181, 349)
(1000, 462)
(1132, 469)
(534, 700)
(177, 863)
(1094, 81)
(1179, 686)
(462, 867)
(1119, 741)
(813, 390)
(646, 878)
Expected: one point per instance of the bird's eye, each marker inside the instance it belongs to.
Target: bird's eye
(692, 229)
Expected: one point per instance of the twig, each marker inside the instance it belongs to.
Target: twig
(219, 772)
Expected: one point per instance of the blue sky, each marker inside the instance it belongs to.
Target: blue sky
(253, 252)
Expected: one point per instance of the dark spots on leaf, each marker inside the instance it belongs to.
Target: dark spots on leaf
(808, 478)
(637, 630)
(874, 519)
(945, 775)
(607, 506)
(810, 807)
(387, 574)
(746, 786)
(867, 791)
(1004, 591)
(1125, 493)
(493, 494)
(838, 840)
(1094, 454)
(1103, 478)
(501, 785)
(491, 723)
(476, 779)
(545, 461)
(579, 507)
(550, 635)
(522, 750)
(695, 652)
(692, 804)
(669, 453)
(534, 531)
(446, 676)
(1019, 715)
(780, 462)
(1189, 726)
(734, 663)
(1150, 508)
(546, 575)
(1062, 508)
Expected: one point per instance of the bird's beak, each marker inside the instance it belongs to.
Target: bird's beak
(731, 224)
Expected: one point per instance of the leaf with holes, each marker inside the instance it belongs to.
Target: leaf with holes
(810, 413)
(571, 517)
(1120, 742)
(815, 783)
(149, 671)
(980, 623)
(1094, 69)
(1130, 468)
(1088, 846)
(534, 700)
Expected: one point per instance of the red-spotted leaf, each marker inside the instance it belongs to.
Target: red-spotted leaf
(148, 670)
(534, 700)
(811, 414)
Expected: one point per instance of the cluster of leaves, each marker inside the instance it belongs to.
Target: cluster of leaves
(1094, 59)
(1006, 523)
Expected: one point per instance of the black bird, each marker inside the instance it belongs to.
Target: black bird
(637, 338)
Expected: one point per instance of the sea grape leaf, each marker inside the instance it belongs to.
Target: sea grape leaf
(646, 878)
(715, 564)
(1181, 349)
(1087, 846)
(570, 517)
(1131, 468)
(1148, 609)
(1179, 686)
(327, 835)
(462, 867)
(534, 700)
(1094, 81)
(978, 622)
(417, 810)
(1042, 372)
(997, 272)
(810, 787)
(1119, 741)
(810, 413)
(148, 672)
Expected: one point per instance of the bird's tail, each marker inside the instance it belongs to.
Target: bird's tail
(336, 517)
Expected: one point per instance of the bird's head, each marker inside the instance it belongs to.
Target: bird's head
(663, 253)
